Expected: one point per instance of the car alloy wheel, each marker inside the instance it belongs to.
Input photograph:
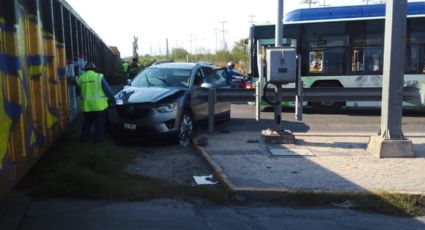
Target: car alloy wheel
(186, 126)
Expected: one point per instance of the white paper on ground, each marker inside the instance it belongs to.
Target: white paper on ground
(202, 180)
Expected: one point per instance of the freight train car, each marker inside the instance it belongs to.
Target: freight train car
(43, 43)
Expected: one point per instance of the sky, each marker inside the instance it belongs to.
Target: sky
(195, 25)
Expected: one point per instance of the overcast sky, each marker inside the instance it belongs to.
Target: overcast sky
(153, 21)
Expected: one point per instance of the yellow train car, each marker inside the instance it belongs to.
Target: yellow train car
(43, 44)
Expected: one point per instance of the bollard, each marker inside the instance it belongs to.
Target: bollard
(258, 101)
(299, 85)
(211, 103)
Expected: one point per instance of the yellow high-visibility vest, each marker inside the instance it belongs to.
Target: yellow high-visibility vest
(93, 97)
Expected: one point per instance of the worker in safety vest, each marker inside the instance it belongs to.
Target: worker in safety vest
(133, 68)
(95, 92)
(125, 67)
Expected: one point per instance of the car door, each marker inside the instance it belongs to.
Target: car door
(199, 105)
(217, 78)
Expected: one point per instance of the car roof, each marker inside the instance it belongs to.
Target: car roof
(178, 65)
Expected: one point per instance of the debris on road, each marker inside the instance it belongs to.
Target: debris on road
(204, 180)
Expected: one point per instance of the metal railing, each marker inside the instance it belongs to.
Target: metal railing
(412, 94)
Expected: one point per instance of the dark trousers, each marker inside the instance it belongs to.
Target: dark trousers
(98, 118)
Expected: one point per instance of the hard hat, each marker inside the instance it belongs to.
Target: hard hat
(231, 64)
(90, 66)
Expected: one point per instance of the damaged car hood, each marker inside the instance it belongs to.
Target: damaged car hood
(130, 94)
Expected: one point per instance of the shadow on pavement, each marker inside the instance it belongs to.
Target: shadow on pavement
(410, 112)
(251, 125)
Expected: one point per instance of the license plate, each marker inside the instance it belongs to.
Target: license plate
(129, 126)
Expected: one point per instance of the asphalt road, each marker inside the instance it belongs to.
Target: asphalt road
(177, 214)
(349, 120)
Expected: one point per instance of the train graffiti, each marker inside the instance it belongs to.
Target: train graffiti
(43, 43)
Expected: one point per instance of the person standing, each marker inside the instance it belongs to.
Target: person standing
(231, 74)
(95, 92)
(133, 68)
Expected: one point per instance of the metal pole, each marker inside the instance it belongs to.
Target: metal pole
(168, 52)
(299, 97)
(394, 52)
(390, 141)
(259, 86)
(211, 103)
(258, 101)
(278, 87)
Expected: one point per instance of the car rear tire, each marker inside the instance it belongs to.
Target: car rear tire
(185, 128)
(328, 107)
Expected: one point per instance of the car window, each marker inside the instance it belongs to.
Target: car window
(216, 77)
(198, 78)
(207, 70)
(163, 77)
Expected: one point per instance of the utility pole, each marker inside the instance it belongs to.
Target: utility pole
(216, 39)
(309, 2)
(135, 47)
(390, 140)
(191, 43)
(224, 35)
(374, 1)
(251, 21)
(324, 4)
(167, 50)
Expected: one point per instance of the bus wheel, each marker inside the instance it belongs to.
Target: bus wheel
(328, 106)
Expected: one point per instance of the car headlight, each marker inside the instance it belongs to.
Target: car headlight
(119, 101)
(166, 108)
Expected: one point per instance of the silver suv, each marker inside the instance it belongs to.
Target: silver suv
(164, 99)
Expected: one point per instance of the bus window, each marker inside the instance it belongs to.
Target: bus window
(367, 60)
(334, 61)
(357, 60)
(412, 61)
(316, 61)
(373, 59)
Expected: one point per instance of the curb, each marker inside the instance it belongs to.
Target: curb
(273, 193)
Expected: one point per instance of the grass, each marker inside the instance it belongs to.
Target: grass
(383, 202)
(71, 169)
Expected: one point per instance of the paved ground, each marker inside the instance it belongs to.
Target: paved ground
(333, 159)
(172, 163)
(176, 214)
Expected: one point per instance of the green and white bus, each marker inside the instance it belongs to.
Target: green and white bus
(344, 47)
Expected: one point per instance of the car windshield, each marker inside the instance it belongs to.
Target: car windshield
(163, 77)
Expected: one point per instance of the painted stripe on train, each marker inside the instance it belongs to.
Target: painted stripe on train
(8, 28)
(10, 64)
(34, 19)
(30, 138)
(13, 110)
(61, 72)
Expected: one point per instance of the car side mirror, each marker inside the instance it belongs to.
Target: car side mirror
(207, 85)
(128, 81)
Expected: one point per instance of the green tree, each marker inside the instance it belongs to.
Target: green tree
(179, 54)
(239, 53)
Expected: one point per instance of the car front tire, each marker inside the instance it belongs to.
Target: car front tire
(186, 126)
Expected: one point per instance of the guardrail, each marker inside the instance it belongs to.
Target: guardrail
(412, 94)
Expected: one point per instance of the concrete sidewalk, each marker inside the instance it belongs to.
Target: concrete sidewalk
(322, 162)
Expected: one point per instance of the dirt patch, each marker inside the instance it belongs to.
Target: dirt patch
(173, 164)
